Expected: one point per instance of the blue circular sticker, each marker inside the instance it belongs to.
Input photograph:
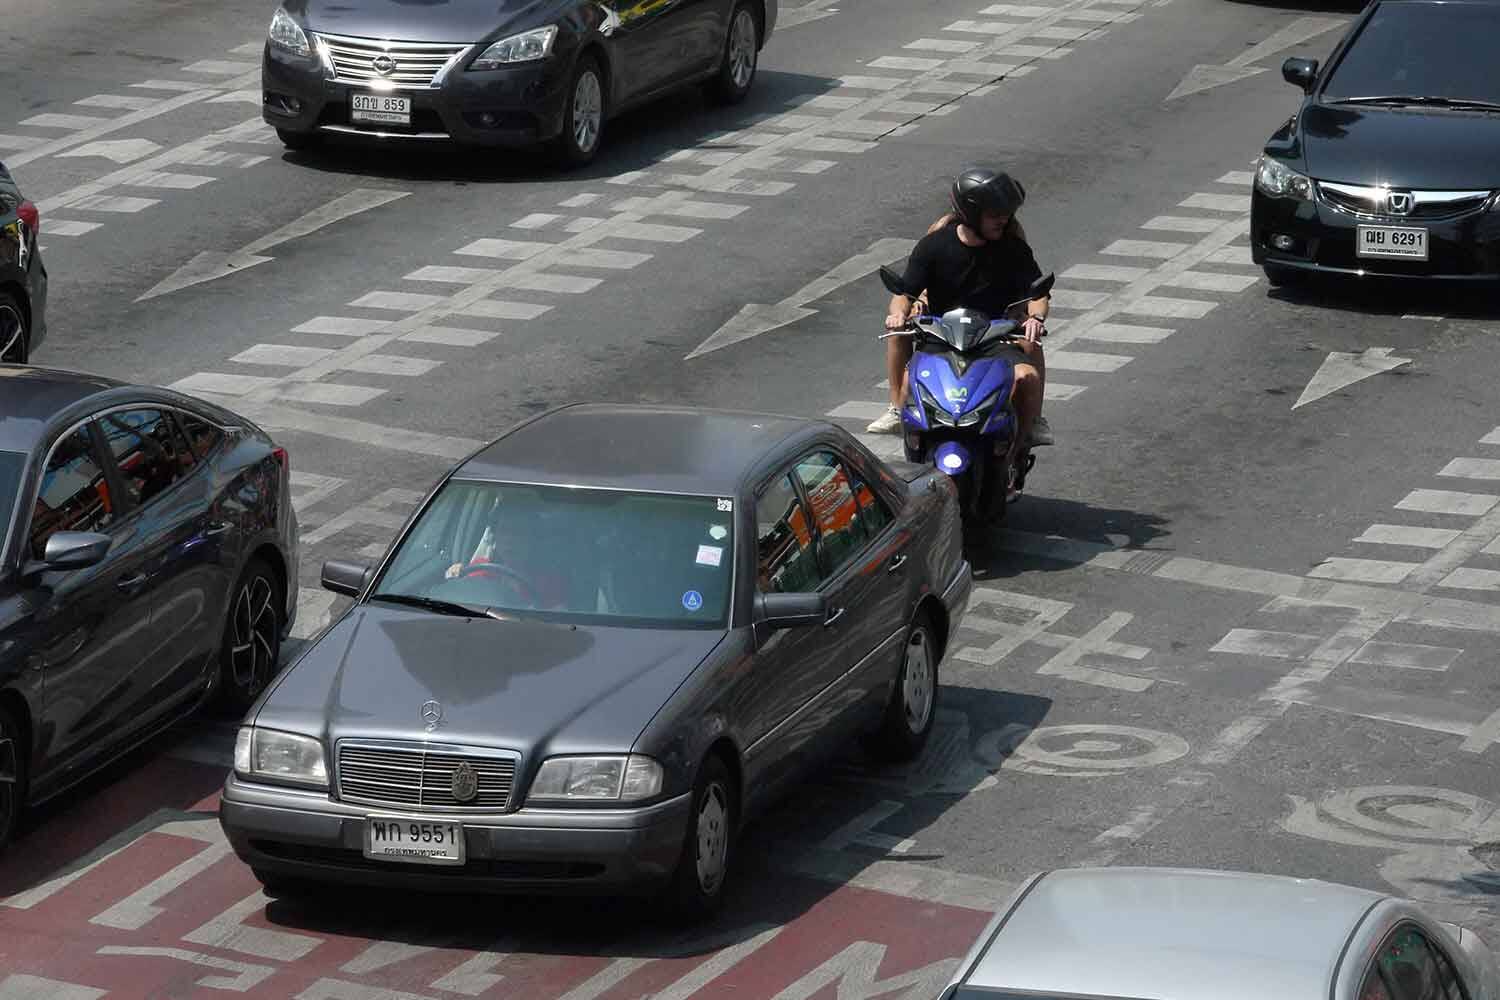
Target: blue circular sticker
(692, 600)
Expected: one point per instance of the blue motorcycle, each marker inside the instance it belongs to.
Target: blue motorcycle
(959, 415)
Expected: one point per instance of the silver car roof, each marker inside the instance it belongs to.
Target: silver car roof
(1172, 934)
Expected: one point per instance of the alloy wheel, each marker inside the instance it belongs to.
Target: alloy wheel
(588, 111)
(742, 49)
(12, 333)
(713, 836)
(916, 683)
(252, 651)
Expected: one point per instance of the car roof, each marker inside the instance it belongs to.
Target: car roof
(30, 397)
(1174, 934)
(639, 447)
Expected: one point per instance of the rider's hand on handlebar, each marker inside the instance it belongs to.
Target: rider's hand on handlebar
(895, 321)
(1033, 329)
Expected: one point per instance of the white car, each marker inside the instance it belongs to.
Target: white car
(1182, 934)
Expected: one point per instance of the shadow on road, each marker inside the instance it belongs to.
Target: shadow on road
(1386, 297)
(633, 141)
(1036, 515)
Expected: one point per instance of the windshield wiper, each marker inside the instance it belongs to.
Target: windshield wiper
(1461, 103)
(434, 604)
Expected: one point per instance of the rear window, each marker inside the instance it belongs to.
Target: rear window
(1422, 50)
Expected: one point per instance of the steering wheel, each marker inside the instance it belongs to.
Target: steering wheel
(526, 585)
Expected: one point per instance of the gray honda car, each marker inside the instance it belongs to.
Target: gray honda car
(600, 645)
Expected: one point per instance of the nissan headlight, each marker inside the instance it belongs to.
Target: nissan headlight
(281, 757)
(619, 778)
(288, 34)
(528, 46)
(1280, 181)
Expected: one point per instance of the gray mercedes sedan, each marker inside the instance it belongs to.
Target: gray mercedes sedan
(600, 644)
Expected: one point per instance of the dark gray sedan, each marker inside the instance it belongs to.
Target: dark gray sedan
(148, 551)
(600, 645)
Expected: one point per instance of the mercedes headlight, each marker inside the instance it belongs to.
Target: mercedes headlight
(525, 47)
(618, 778)
(283, 757)
(287, 34)
(1280, 181)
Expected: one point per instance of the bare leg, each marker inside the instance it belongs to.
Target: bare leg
(1028, 399)
(897, 354)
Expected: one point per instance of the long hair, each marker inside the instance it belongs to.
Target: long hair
(1012, 228)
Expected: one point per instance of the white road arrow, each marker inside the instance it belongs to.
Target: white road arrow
(212, 264)
(753, 320)
(118, 150)
(1340, 369)
(1201, 78)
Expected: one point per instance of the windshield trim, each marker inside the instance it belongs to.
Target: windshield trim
(724, 623)
(1329, 72)
(9, 526)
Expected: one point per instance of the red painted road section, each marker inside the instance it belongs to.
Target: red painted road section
(213, 936)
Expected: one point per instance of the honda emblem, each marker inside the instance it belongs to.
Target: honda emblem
(1399, 202)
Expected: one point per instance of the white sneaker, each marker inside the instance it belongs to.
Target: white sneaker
(1041, 432)
(888, 422)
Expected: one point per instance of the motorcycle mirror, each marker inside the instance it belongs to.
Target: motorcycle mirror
(1043, 285)
(892, 281)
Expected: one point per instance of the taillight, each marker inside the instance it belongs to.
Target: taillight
(29, 215)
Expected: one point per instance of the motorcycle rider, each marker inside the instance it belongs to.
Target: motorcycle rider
(976, 257)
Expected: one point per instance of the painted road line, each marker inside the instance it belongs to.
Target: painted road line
(221, 67)
(1363, 570)
(1165, 307)
(171, 181)
(1472, 468)
(1340, 370)
(1060, 391)
(1260, 642)
(1467, 578)
(342, 326)
(70, 227)
(1239, 204)
(1105, 272)
(1242, 178)
(450, 336)
(1084, 361)
(19, 987)
(1181, 224)
(1448, 502)
(1203, 282)
(1411, 535)
(1237, 256)
(1128, 333)
(951, 45)
(117, 102)
(60, 121)
(1145, 248)
(858, 409)
(390, 364)
(1407, 656)
(1074, 298)
(119, 203)
(331, 393)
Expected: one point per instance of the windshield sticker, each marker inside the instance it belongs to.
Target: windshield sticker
(718, 532)
(692, 600)
(725, 506)
(710, 555)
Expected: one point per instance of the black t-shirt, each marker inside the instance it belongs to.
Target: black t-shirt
(987, 278)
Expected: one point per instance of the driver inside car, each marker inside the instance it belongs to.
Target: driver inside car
(507, 553)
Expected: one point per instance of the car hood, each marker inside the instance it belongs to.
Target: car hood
(420, 20)
(520, 685)
(1401, 147)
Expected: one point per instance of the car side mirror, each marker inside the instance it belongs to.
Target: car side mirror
(779, 611)
(67, 550)
(347, 578)
(1300, 73)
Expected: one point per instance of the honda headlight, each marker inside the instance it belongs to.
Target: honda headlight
(618, 778)
(288, 34)
(282, 757)
(525, 47)
(1280, 181)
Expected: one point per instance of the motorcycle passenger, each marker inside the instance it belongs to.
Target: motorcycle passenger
(977, 258)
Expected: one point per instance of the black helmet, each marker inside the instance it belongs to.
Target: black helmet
(979, 190)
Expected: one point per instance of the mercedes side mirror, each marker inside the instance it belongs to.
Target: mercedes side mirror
(1300, 73)
(346, 578)
(67, 550)
(779, 611)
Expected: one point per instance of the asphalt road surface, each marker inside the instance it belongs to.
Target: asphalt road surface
(1245, 617)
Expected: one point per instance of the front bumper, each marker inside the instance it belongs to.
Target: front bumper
(1464, 248)
(307, 835)
(525, 103)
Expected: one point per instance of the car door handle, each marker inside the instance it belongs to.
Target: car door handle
(130, 584)
(216, 528)
(896, 563)
(833, 616)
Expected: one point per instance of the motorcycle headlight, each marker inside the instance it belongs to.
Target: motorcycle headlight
(525, 47)
(1280, 181)
(936, 412)
(979, 412)
(282, 757)
(288, 34)
(618, 777)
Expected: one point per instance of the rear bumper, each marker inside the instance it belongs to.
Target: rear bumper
(525, 104)
(307, 835)
(1462, 249)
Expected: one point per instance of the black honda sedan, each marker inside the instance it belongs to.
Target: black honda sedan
(148, 559)
(23, 277)
(1392, 165)
(506, 73)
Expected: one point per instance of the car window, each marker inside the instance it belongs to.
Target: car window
(202, 435)
(872, 508)
(1409, 966)
(74, 495)
(147, 450)
(787, 561)
(185, 455)
(12, 465)
(841, 528)
(1421, 50)
(1452, 985)
(1373, 988)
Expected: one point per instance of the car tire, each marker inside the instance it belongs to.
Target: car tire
(1284, 277)
(15, 338)
(697, 888)
(741, 55)
(909, 714)
(583, 116)
(13, 762)
(298, 141)
(251, 647)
